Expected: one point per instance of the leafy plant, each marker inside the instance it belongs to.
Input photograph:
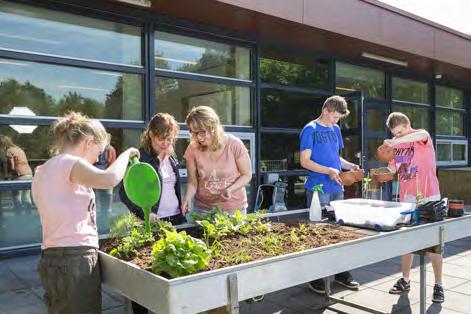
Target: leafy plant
(130, 243)
(123, 225)
(158, 226)
(178, 254)
(293, 237)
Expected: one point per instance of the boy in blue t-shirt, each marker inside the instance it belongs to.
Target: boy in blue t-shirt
(321, 142)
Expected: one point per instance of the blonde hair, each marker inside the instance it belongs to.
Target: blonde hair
(336, 104)
(204, 118)
(162, 125)
(395, 119)
(5, 142)
(75, 127)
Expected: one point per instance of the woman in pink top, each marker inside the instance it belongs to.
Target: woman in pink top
(62, 190)
(414, 162)
(218, 167)
(218, 164)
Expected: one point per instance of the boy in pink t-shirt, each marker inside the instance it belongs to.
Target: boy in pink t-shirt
(414, 162)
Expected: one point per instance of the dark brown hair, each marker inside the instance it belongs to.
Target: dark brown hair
(162, 126)
(336, 104)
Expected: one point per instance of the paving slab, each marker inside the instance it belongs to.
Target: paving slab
(448, 281)
(464, 288)
(9, 281)
(12, 300)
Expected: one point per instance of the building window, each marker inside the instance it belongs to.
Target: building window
(35, 30)
(450, 116)
(405, 90)
(452, 152)
(412, 98)
(293, 69)
(280, 152)
(189, 54)
(351, 78)
(178, 96)
(419, 115)
(39, 89)
(283, 109)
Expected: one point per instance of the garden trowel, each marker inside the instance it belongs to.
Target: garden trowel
(142, 186)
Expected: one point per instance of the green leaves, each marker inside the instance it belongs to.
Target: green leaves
(136, 239)
(178, 254)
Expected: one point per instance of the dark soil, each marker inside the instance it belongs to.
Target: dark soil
(283, 238)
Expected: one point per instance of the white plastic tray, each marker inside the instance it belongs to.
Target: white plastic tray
(380, 215)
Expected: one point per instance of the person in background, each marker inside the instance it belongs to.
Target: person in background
(18, 169)
(218, 165)
(157, 149)
(105, 196)
(321, 142)
(62, 190)
(414, 162)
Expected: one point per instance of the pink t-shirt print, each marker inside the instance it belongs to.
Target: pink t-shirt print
(416, 168)
(67, 210)
(214, 176)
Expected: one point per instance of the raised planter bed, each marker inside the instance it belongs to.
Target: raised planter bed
(229, 285)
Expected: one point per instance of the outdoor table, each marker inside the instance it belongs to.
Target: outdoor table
(227, 286)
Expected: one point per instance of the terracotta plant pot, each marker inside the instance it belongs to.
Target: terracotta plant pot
(382, 174)
(359, 174)
(384, 153)
(456, 204)
(347, 177)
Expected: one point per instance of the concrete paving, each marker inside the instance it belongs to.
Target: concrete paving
(21, 291)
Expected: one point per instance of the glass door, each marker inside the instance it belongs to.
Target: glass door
(374, 132)
(353, 134)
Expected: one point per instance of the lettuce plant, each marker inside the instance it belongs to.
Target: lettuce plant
(178, 254)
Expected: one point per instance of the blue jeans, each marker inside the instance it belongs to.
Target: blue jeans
(324, 198)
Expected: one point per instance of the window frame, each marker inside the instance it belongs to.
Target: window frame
(453, 142)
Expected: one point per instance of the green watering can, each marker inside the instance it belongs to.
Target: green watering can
(142, 186)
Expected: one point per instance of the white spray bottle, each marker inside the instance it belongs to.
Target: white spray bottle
(315, 211)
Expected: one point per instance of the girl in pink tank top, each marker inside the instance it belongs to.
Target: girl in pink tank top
(62, 190)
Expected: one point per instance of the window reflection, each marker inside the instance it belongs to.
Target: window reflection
(283, 109)
(51, 90)
(459, 152)
(376, 119)
(188, 54)
(279, 152)
(351, 78)
(39, 30)
(450, 123)
(449, 97)
(444, 152)
(409, 90)
(177, 97)
(419, 117)
(295, 197)
(293, 69)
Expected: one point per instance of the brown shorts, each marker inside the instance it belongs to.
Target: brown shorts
(71, 280)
